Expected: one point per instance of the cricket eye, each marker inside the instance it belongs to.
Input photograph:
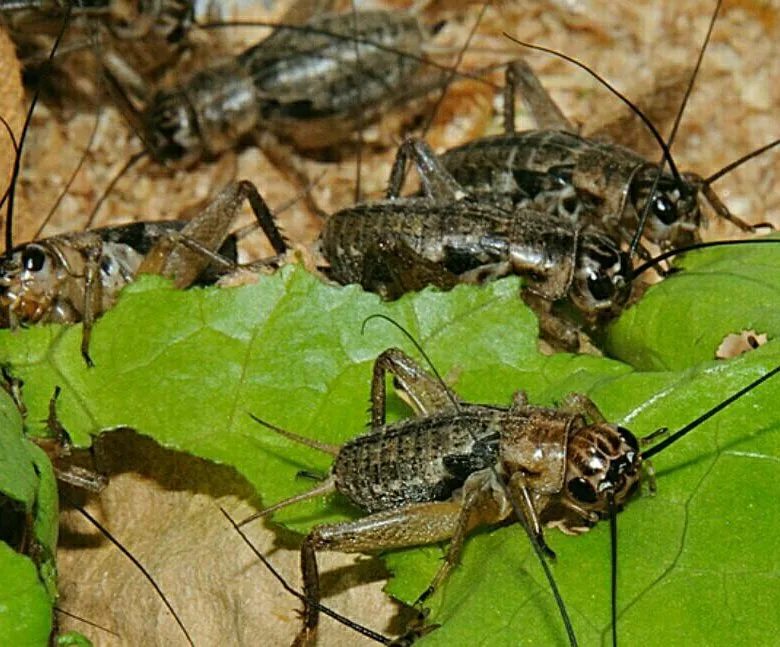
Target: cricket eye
(582, 491)
(33, 259)
(664, 209)
(600, 287)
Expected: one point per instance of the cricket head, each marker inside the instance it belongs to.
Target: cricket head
(30, 278)
(672, 206)
(601, 284)
(171, 130)
(603, 463)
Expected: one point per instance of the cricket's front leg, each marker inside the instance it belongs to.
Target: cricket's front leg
(579, 403)
(93, 297)
(559, 332)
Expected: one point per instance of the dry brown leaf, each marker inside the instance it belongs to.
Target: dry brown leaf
(164, 508)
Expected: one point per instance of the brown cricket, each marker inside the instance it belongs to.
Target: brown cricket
(457, 466)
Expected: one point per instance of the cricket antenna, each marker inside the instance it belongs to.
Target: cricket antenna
(677, 435)
(134, 119)
(72, 177)
(453, 72)
(127, 166)
(56, 428)
(694, 74)
(86, 622)
(351, 624)
(541, 550)
(9, 236)
(613, 560)
(738, 162)
(634, 108)
(15, 146)
(82, 158)
(667, 148)
(360, 122)
(688, 248)
(104, 531)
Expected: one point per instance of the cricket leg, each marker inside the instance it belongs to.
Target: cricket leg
(412, 525)
(182, 256)
(424, 393)
(548, 116)
(438, 184)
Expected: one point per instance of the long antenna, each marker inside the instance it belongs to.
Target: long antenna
(677, 435)
(104, 531)
(72, 177)
(360, 122)
(453, 72)
(535, 543)
(640, 230)
(694, 74)
(9, 237)
(86, 622)
(127, 166)
(613, 560)
(738, 162)
(688, 248)
(15, 146)
(634, 108)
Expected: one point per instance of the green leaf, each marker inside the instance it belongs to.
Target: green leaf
(25, 606)
(18, 480)
(73, 639)
(186, 368)
(681, 321)
(30, 497)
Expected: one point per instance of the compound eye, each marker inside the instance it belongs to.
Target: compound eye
(664, 209)
(600, 287)
(33, 259)
(582, 490)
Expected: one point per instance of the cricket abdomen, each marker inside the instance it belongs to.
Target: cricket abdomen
(417, 461)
